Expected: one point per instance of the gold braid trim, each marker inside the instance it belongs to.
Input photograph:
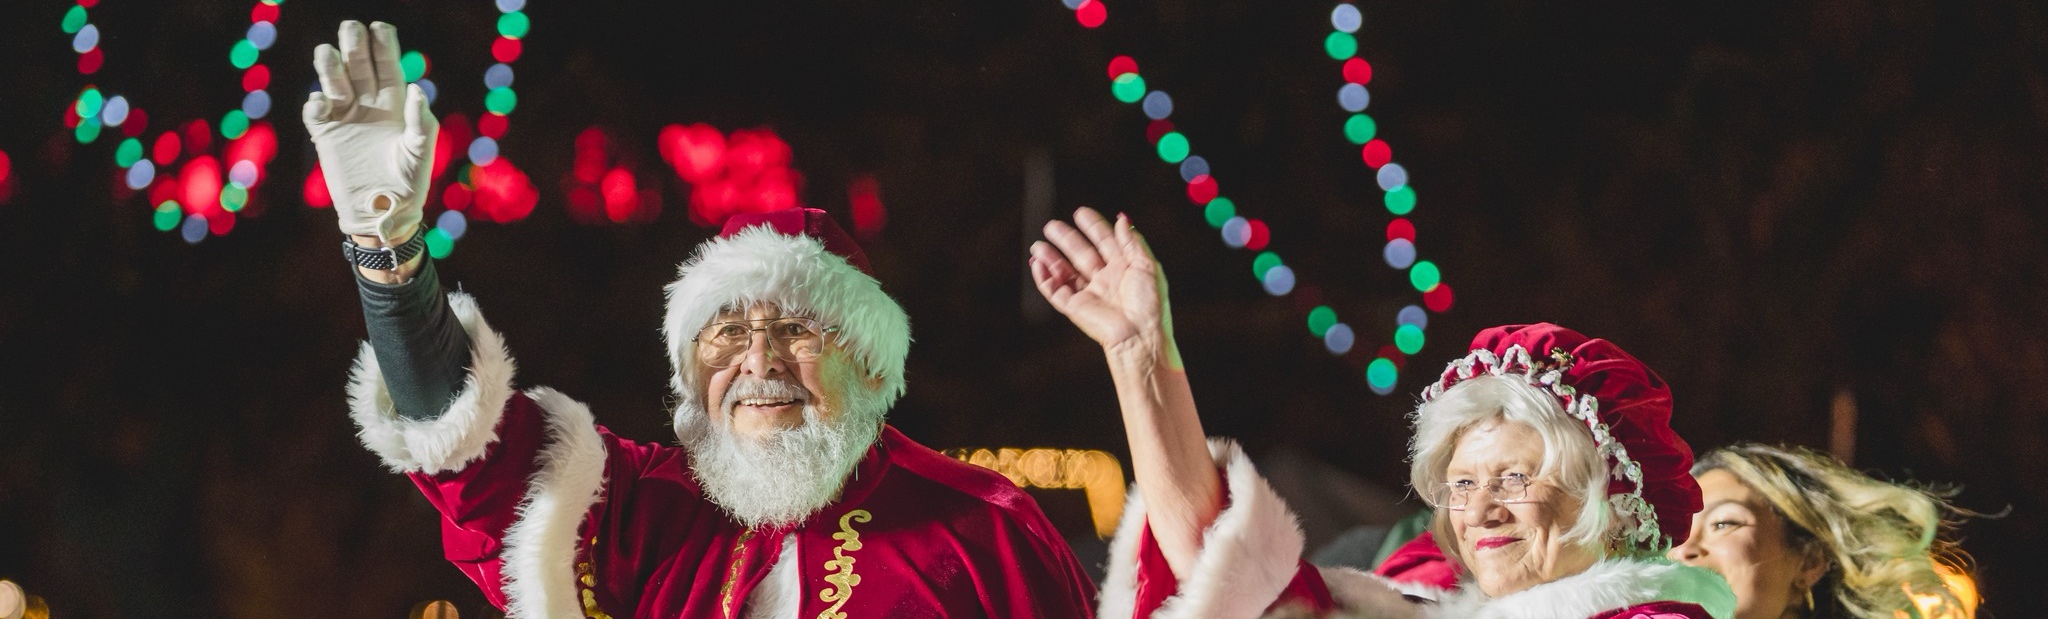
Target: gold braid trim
(842, 577)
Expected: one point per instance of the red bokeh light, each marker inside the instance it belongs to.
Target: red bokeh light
(1260, 236)
(504, 194)
(136, 123)
(91, 61)
(1157, 129)
(864, 194)
(1438, 300)
(505, 49)
(167, 149)
(315, 191)
(198, 136)
(167, 188)
(1202, 189)
(264, 11)
(621, 194)
(456, 197)
(1401, 228)
(1357, 71)
(453, 142)
(1377, 153)
(256, 78)
(201, 180)
(258, 144)
(1393, 353)
(219, 223)
(1091, 13)
(1121, 65)
(71, 116)
(492, 125)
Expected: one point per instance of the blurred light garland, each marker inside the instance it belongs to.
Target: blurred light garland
(203, 197)
(1172, 146)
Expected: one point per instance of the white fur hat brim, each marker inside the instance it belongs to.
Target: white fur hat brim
(797, 273)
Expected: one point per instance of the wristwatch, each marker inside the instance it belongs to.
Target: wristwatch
(382, 258)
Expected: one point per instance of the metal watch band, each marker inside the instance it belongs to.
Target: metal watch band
(382, 258)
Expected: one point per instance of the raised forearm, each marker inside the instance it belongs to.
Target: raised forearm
(422, 351)
(1169, 453)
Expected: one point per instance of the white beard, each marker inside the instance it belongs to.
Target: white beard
(788, 475)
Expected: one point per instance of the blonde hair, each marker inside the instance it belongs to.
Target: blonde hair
(1570, 460)
(1881, 539)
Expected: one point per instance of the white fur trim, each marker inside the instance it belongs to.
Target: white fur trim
(539, 570)
(461, 432)
(780, 596)
(1610, 584)
(1248, 557)
(797, 273)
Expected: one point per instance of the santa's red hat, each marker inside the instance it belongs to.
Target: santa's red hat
(804, 263)
(1625, 406)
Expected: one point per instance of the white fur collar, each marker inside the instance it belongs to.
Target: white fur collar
(1608, 585)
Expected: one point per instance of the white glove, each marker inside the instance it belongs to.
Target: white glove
(374, 134)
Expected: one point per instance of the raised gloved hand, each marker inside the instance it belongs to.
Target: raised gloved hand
(374, 134)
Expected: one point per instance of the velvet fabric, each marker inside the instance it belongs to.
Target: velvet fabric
(915, 534)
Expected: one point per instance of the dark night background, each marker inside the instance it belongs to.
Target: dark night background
(1778, 205)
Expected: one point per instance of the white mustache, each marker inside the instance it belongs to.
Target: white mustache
(749, 387)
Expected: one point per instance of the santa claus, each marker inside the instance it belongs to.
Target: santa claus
(787, 496)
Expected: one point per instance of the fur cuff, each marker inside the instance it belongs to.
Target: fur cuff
(1248, 557)
(460, 434)
(540, 547)
(1611, 584)
(1369, 595)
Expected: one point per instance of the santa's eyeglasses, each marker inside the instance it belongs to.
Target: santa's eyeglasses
(1454, 495)
(802, 340)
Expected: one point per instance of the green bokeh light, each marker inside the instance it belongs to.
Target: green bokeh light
(438, 244)
(501, 100)
(1321, 319)
(414, 65)
(1360, 129)
(233, 197)
(167, 215)
(88, 130)
(1381, 373)
(1265, 262)
(1408, 338)
(243, 54)
(74, 20)
(128, 153)
(514, 25)
(1173, 147)
(90, 102)
(1128, 88)
(234, 124)
(1424, 275)
(1219, 211)
(1401, 200)
(1341, 45)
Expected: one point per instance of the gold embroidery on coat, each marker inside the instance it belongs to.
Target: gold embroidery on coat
(842, 577)
(586, 575)
(732, 572)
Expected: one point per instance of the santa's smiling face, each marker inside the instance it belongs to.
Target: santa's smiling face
(773, 435)
(764, 391)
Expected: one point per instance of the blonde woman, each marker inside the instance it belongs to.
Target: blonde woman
(1797, 534)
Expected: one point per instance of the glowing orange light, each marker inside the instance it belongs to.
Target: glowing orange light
(1095, 472)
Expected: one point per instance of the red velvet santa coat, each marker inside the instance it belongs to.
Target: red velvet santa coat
(1250, 566)
(553, 516)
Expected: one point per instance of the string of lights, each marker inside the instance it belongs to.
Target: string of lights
(195, 195)
(1238, 231)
